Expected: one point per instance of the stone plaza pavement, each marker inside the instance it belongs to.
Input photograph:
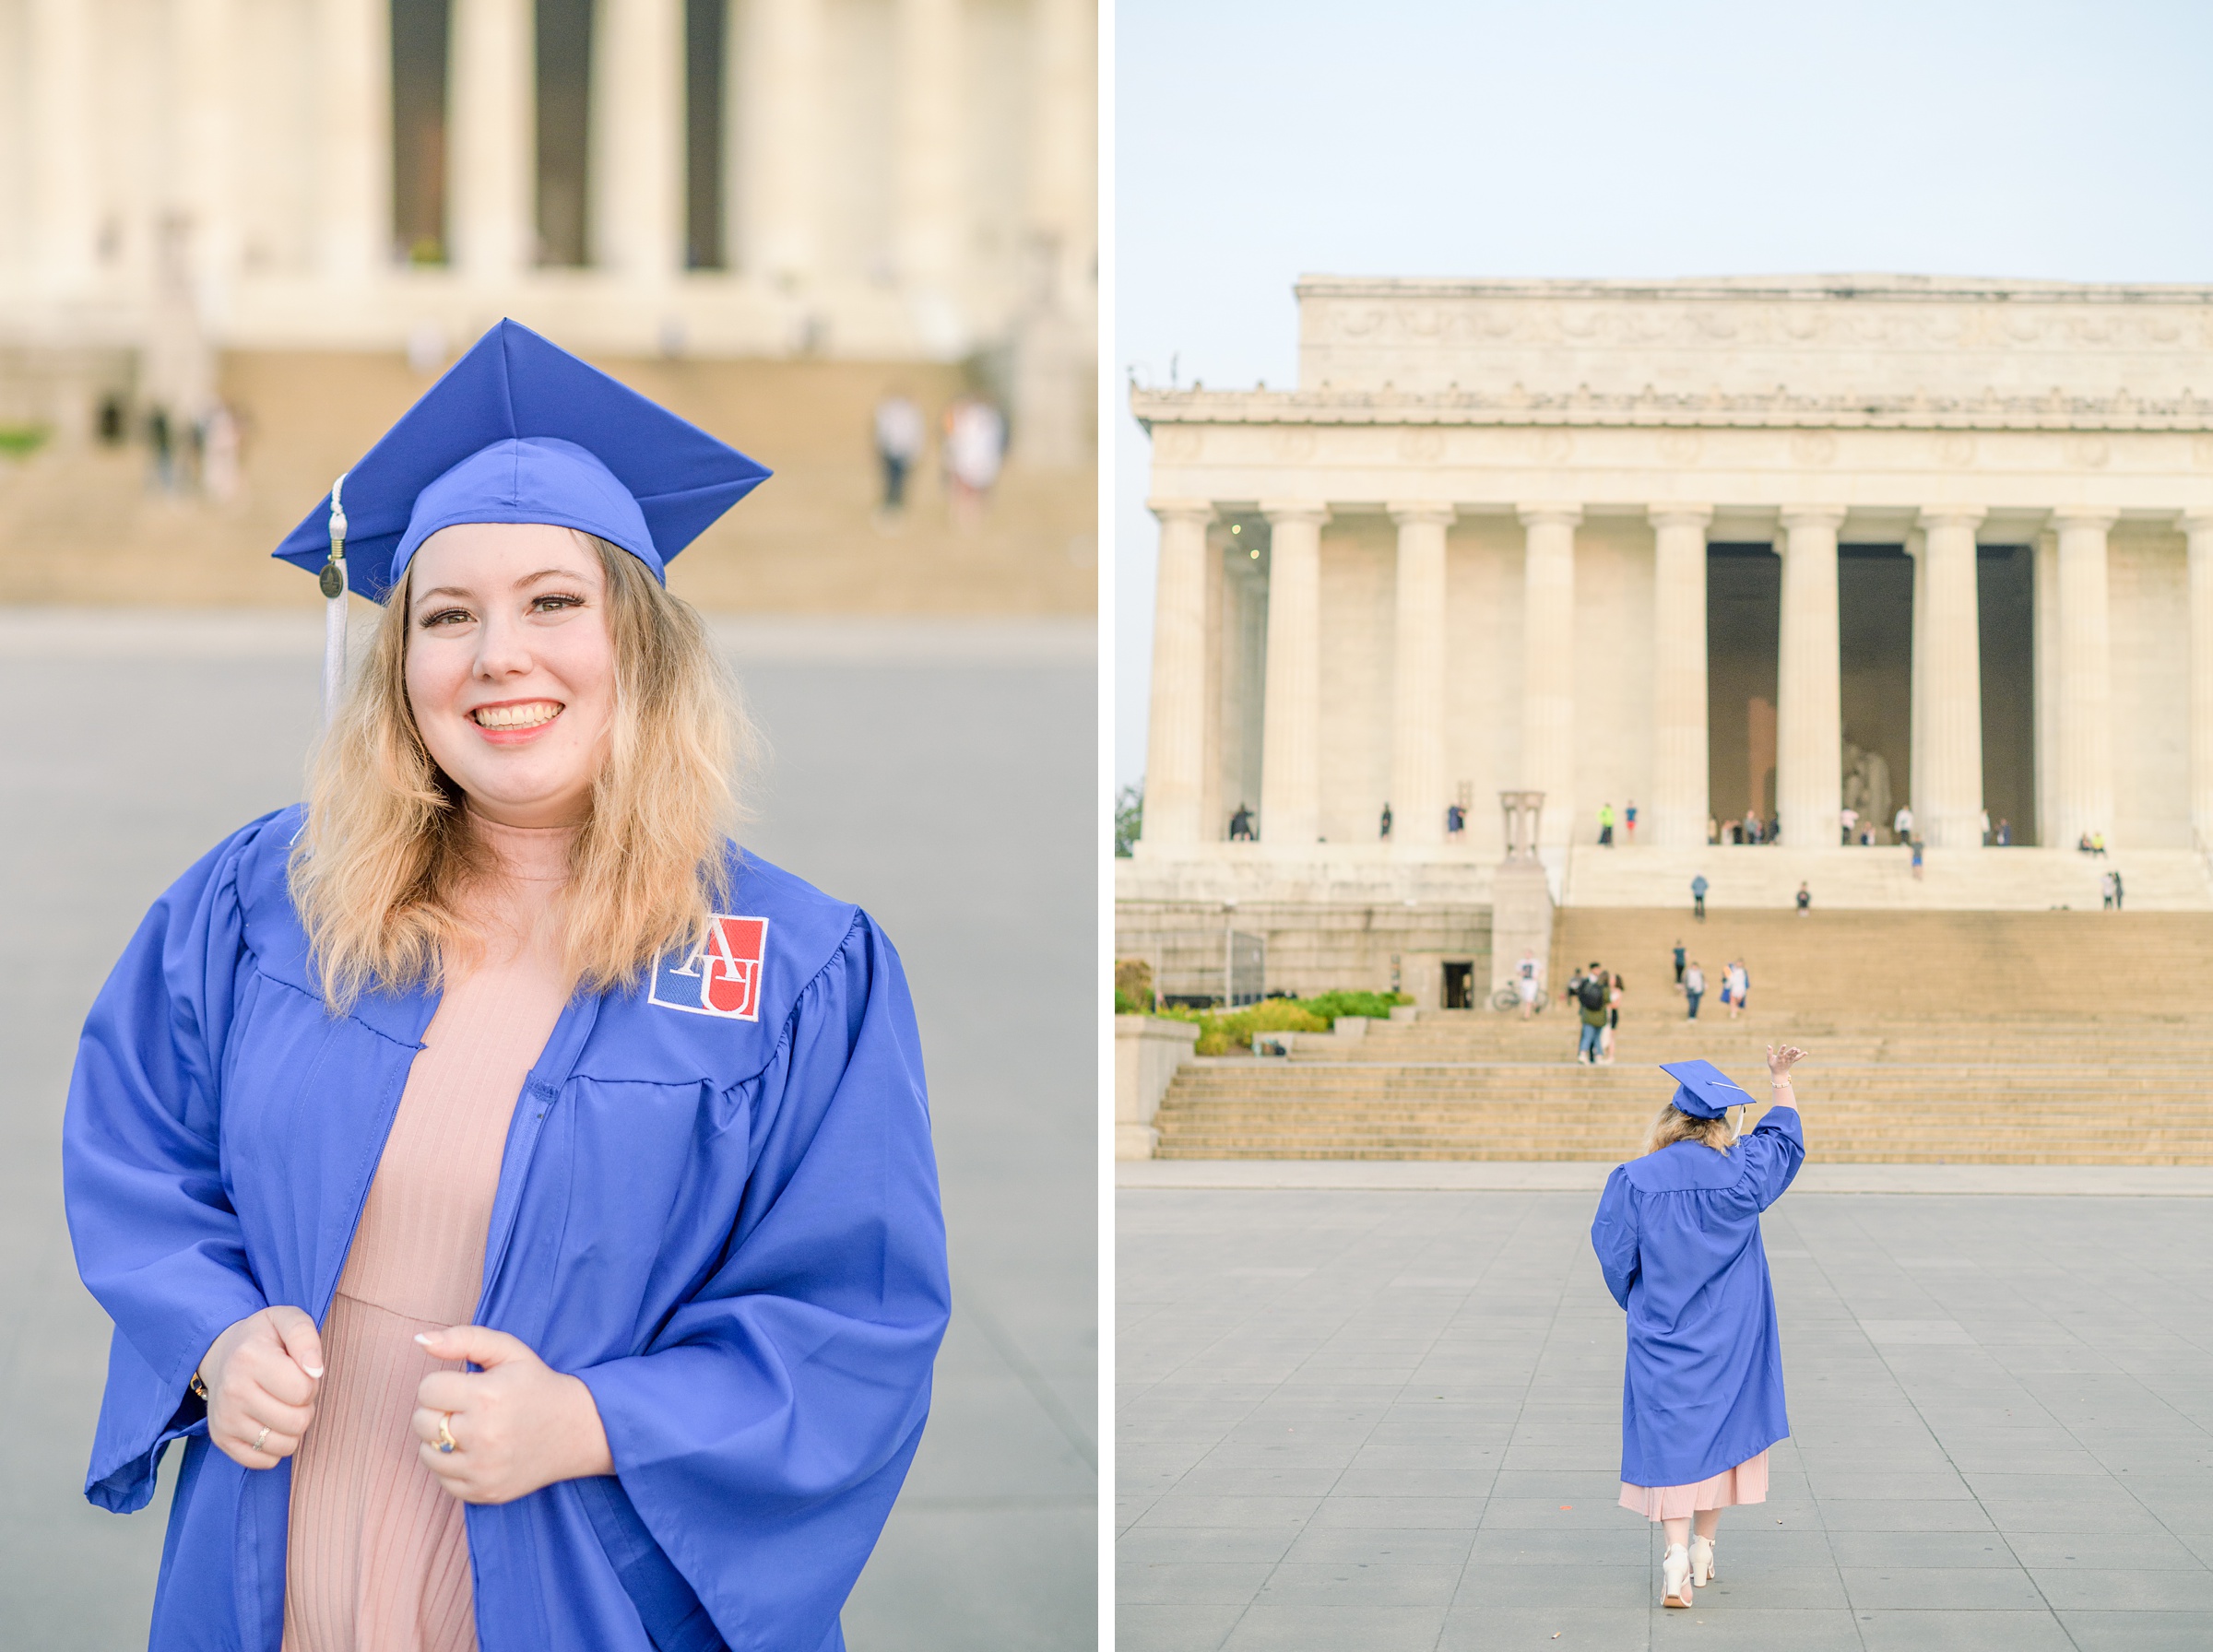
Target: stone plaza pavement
(941, 777)
(1374, 1419)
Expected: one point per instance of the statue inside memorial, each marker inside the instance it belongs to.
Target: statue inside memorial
(1867, 786)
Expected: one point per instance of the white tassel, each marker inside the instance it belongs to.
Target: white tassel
(334, 607)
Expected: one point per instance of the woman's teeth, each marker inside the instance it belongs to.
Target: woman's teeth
(516, 716)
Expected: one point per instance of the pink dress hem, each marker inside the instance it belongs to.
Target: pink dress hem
(1748, 1483)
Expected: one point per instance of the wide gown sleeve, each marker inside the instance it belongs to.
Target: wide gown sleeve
(156, 1241)
(1613, 1236)
(1773, 1152)
(765, 1434)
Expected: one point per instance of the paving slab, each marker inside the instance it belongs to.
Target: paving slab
(2004, 1422)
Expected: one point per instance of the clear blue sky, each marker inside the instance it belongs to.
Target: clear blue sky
(1256, 142)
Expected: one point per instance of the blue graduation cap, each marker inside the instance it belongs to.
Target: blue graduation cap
(1706, 1090)
(517, 430)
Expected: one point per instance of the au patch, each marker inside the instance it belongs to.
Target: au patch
(721, 978)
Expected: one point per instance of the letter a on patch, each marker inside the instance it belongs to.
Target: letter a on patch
(721, 977)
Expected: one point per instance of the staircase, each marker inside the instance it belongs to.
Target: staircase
(1765, 878)
(1988, 1037)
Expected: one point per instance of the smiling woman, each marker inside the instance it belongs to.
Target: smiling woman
(519, 1197)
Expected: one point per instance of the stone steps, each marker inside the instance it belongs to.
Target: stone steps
(1765, 878)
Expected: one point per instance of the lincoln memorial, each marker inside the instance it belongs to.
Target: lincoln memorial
(1719, 549)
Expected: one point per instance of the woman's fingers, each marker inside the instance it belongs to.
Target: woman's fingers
(299, 1336)
(265, 1363)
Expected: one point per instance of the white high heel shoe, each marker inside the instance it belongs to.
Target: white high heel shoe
(1701, 1561)
(1674, 1573)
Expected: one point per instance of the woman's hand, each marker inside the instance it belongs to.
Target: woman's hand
(1780, 1061)
(516, 1425)
(262, 1377)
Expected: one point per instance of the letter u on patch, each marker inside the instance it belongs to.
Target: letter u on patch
(721, 978)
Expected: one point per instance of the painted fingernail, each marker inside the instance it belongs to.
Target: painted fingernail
(423, 1338)
(315, 1371)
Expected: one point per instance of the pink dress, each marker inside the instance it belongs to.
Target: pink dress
(1748, 1483)
(378, 1558)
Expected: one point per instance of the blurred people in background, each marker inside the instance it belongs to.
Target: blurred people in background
(975, 446)
(1240, 825)
(898, 445)
(218, 455)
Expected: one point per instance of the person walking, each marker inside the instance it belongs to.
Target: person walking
(1736, 988)
(1917, 860)
(2005, 832)
(1588, 991)
(1528, 981)
(1679, 957)
(899, 430)
(1628, 817)
(1605, 825)
(1805, 899)
(1386, 831)
(2105, 890)
(1694, 988)
(1698, 886)
(1612, 1027)
(2118, 892)
(517, 1197)
(1902, 823)
(1849, 817)
(1677, 1238)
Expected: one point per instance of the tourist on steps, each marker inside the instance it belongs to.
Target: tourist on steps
(1694, 987)
(1677, 1237)
(1736, 987)
(1589, 992)
(1605, 825)
(1528, 981)
(1679, 957)
(2105, 890)
(2118, 892)
(1805, 899)
(1698, 886)
(1605, 1041)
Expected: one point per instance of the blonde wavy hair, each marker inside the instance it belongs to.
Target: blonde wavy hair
(377, 872)
(1674, 1125)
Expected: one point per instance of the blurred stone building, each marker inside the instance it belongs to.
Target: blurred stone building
(259, 228)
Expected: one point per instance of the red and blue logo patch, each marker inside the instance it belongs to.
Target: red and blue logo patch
(721, 978)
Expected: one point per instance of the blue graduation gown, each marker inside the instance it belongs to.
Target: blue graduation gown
(727, 1227)
(1677, 1236)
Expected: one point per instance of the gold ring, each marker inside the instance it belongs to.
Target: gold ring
(261, 1437)
(445, 1436)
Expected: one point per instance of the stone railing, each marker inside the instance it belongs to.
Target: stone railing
(1147, 1051)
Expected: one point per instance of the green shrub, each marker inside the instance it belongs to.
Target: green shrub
(1376, 1005)
(1126, 1005)
(18, 441)
(1219, 1034)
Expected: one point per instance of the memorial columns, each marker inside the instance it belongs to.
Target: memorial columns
(1291, 730)
(61, 183)
(1548, 751)
(2085, 801)
(780, 103)
(2198, 529)
(1809, 738)
(1950, 816)
(927, 167)
(353, 212)
(637, 141)
(1176, 740)
(490, 167)
(1418, 720)
(1678, 807)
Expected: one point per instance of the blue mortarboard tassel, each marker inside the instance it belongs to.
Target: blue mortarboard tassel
(1706, 1092)
(518, 430)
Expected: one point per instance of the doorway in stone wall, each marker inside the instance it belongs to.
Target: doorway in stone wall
(1459, 985)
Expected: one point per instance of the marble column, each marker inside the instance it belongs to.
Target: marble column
(1950, 814)
(638, 140)
(779, 102)
(1678, 807)
(353, 131)
(2046, 627)
(1291, 734)
(61, 181)
(926, 180)
(203, 56)
(1548, 752)
(1417, 705)
(1917, 693)
(492, 159)
(2197, 527)
(1176, 737)
(1809, 737)
(2085, 799)
(1063, 182)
